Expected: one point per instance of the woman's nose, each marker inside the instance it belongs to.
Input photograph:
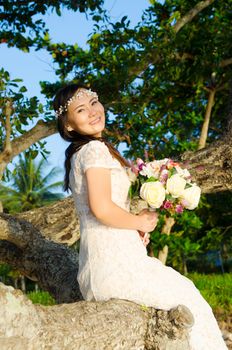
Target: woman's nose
(92, 111)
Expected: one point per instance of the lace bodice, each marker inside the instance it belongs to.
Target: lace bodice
(96, 154)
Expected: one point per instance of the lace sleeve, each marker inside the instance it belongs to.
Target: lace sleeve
(96, 155)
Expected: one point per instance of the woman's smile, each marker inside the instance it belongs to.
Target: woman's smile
(95, 121)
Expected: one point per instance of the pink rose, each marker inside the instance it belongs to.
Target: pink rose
(179, 209)
(140, 163)
(167, 204)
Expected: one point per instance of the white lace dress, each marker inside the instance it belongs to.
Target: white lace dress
(114, 262)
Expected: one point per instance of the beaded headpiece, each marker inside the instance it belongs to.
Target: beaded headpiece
(80, 93)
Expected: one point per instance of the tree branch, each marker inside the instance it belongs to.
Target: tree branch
(225, 62)
(8, 109)
(205, 126)
(153, 56)
(41, 130)
(113, 324)
(211, 167)
(191, 14)
(53, 265)
(61, 226)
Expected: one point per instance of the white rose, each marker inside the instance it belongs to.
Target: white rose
(147, 171)
(175, 185)
(153, 193)
(162, 161)
(182, 172)
(191, 197)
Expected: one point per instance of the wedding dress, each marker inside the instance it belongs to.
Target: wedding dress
(113, 263)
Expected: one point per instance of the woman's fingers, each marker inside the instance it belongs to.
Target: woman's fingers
(145, 238)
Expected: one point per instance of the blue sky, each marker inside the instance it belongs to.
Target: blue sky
(36, 66)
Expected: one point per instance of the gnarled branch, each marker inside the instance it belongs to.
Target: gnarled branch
(115, 324)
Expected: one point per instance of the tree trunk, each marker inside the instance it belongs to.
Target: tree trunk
(23, 284)
(114, 324)
(166, 229)
(52, 265)
(205, 126)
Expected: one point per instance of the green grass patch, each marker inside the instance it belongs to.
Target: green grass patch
(216, 289)
(41, 297)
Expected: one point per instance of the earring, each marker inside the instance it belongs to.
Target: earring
(69, 128)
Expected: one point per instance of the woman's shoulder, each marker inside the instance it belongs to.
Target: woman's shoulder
(91, 145)
(96, 154)
(94, 146)
(92, 149)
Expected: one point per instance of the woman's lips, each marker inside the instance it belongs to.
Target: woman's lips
(95, 121)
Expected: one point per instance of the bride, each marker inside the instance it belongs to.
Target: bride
(113, 257)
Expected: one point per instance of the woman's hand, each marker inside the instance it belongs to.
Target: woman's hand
(145, 237)
(148, 220)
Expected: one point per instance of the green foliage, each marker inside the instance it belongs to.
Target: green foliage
(41, 297)
(217, 220)
(216, 289)
(29, 189)
(22, 24)
(5, 271)
(155, 82)
(25, 111)
(208, 228)
(24, 108)
(183, 242)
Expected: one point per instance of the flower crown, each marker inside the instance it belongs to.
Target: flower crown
(80, 93)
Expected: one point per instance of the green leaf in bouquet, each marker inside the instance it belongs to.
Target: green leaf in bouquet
(172, 172)
(151, 179)
(170, 198)
(187, 186)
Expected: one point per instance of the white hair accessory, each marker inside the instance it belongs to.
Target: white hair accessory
(80, 93)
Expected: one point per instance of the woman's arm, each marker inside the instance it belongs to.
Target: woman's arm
(109, 213)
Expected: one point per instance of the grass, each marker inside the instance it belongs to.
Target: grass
(216, 289)
(41, 297)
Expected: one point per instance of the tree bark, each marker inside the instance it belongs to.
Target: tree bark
(211, 167)
(52, 265)
(114, 324)
(57, 222)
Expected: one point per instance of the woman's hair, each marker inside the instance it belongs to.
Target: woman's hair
(76, 140)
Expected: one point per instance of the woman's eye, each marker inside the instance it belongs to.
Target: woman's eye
(80, 110)
(94, 102)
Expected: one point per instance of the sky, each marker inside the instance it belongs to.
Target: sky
(35, 66)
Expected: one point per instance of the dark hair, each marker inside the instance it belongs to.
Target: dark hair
(76, 140)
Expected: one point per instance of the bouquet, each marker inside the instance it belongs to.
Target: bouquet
(165, 186)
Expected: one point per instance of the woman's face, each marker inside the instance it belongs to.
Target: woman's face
(86, 116)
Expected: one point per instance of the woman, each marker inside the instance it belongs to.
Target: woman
(113, 258)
